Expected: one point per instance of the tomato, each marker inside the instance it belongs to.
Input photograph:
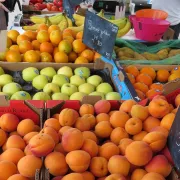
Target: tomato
(61, 9)
(39, 1)
(44, 6)
(58, 3)
(37, 6)
(49, 6)
(54, 8)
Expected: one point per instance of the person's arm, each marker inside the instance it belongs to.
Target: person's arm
(2, 6)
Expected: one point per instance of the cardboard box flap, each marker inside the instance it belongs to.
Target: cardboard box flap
(3, 39)
(3, 101)
(90, 99)
(171, 86)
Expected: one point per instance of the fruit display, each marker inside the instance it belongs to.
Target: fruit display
(149, 82)
(16, 159)
(47, 84)
(126, 53)
(98, 142)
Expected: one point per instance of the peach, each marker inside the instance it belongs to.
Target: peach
(56, 116)
(102, 117)
(15, 141)
(140, 112)
(58, 178)
(13, 155)
(138, 174)
(158, 108)
(175, 110)
(123, 145)
(78, 160)
(41, 144)
(115, 177)
(51, 132)
(99, 166)
(126, 106)
(7, 169)
(28, 165)
(111, 113)
(27, 150)
(17, 177)
(86, 109)
(28, 136)
(160, 129)
(103, 129)
(167, 154)
(73, 176)
(103, 178)
(64, 129)
(91, 119)
(90, 147)
(153, 176)
(102, 106)
(139, 136)
(4, 147)
(37, 128)
(25, 126)
(88, 175)
(14, 133)
(138, 153)
(159, 164)
(55, 162)
(9, 122)
(90, 135)
(53, 123)
(177, 100)
(150, 123)
(72, 140)
(118, 134)
(108, 150)
(59, 148)
(167, 121)
(3, 138)
(133, 126)
(171, 107)
(119, 119)
(118, 165)
(82, 124)
(68, 117)
(156, 140)
(160, 97)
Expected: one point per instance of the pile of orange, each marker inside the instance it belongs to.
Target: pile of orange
(148, 82)
(48, 44)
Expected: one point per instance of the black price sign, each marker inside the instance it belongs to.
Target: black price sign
(99, 34)
(68, 8)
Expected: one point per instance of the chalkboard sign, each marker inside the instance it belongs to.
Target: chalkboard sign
(75, 2)
(99, 34)
(174, 140)
(68, 9)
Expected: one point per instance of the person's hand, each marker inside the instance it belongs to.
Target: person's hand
(2, 0)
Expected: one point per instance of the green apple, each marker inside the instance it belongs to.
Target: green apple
(86, 88)
(97, 94)
(21, 95)
(39, 82)
(30, 73)
(94, 80)
(60, 96)
(113, 96)
(69, 89)
(51, 88)
(7, 96)
(104, 88)
(12, 88)
(65, 70)
(82, 71)
(5, 79)
(48, 71)
(1, 71)
(78, 96)
(77, 80)
(2, 56)
(41, 96)
(60, 79)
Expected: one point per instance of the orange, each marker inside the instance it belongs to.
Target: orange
(31, 56)
(65, 46)
(13, 34)
(153, 92)
(96, 56)
(55, 37)
(61, 57)
(66, 34)
(25, 46)
(162, 75)
(46, 57)
(69, 38)
(79, 35)
(55, 50)
(144, 78)
(9, 42)
(46, 47)
(71, 32)
(14, 48)
(42, 27)
(174, 76)
(21, 38)
(72, 56)
(13, 56)
(141, 86)
(43, 36)
(132, 70)
(81, 60)
(158, 86)
(78, 46)
(31, 35)
(140, 94)
(53, 28)
(150, 71)
(131, 78)
(176, 69)
(88, 54)
(36, 45)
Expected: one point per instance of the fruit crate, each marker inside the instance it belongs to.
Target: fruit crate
(24, 110)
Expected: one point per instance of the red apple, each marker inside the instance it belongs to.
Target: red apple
(54, 8)
(61, 9)
(49, 6)
(166, 153)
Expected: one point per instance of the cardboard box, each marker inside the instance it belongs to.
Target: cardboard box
(3, 38)
(23, 110)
